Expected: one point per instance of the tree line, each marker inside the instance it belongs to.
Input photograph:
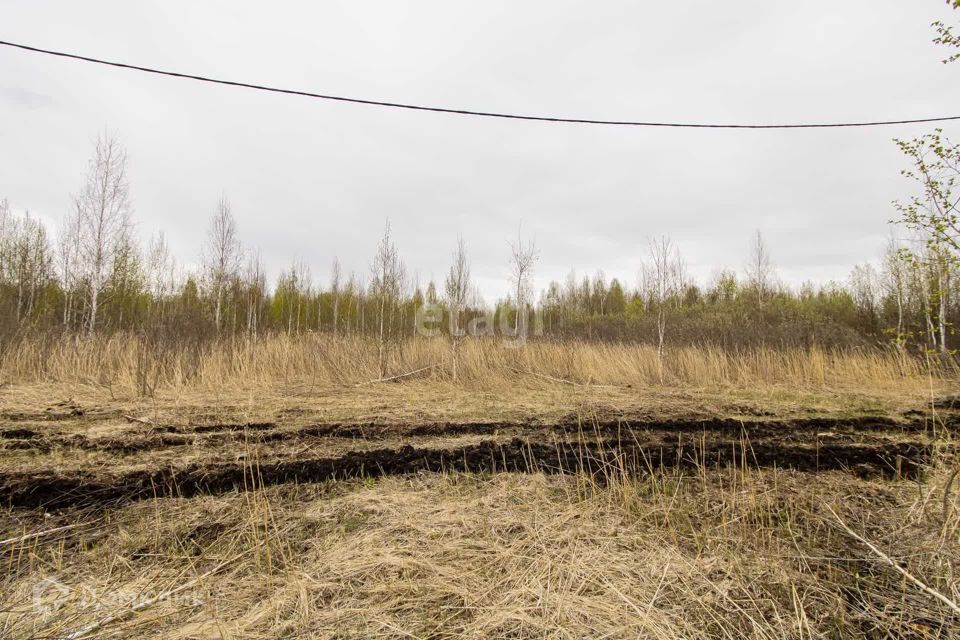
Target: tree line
(93, 276)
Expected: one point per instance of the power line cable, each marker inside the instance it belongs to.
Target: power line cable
(470, 112)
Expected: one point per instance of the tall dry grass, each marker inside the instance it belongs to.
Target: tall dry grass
(731, 553)
(141, 365)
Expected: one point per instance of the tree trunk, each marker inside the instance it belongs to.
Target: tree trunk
(454, 348)
(94, 299)
(216, 309)
(942, 300)
(381, 344)
(661, 331)
(900, 342)
(336, 313)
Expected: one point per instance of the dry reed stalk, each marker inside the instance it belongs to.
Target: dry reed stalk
(486, 363)
(920, 584)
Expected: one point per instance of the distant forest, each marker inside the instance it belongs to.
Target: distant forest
(94, 276)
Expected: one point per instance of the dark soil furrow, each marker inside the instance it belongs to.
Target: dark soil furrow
(214, 435)
(58, 489)
(216, 428)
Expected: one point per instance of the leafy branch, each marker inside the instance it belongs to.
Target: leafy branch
(946, 37)
(935, 211)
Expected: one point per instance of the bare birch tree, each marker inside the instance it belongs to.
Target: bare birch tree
(255, 285)
(759, 268)
(221, 257)
(161, 274)
(335, 286)
(293, 289)
(865, 291)
(457, 288)
(26, 262)
(523, 259)
(68, 254)
(895, 278)
(662, 280)
(103, 219)
(161, 267)
(387, 284)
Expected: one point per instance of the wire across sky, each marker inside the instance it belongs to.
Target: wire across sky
(470, 112)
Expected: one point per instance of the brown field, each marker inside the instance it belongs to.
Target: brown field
(275, 489)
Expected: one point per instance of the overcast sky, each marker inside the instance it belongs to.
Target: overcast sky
(312, 180)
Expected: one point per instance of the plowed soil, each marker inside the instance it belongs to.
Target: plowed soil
(66, 455)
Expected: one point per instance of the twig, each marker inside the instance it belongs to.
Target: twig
(562, 380)
(99, 624)
(40, 534)
(397, 377)
(140, 420)
(906, 574)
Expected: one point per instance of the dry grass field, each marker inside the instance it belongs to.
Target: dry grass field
(278, 489)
